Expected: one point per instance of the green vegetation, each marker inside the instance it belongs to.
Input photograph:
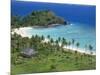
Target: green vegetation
(45, 18)
(50, 58)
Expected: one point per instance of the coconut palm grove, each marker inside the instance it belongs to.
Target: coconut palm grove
(45, 53)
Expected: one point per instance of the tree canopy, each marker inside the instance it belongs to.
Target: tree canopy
(37, 18)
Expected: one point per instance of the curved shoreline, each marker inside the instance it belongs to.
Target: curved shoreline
(23, 32)
(49, 26)
(80, 50)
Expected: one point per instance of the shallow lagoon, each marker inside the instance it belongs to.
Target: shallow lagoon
(82, 33)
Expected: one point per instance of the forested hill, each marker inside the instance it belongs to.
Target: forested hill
(37, 18)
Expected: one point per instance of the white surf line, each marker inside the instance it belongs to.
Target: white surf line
(72, 48)
(80, 50)
(83, 2)
(22, 31)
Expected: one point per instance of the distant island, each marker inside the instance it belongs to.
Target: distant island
(43, 53)
(39, 18)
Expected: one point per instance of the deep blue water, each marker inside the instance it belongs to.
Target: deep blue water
(75, 13)
(82, 18)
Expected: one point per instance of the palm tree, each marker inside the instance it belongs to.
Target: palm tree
(32, 37)
(77, 44)
(51, 40)
(63, 41)
(90, 48)
(66, 43)
(59, 39)
(42, 37)
(48, 36)
(36, 36)
(56, 42)
(69, 43)
(73, 41)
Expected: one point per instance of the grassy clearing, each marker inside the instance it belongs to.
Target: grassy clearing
(58, 61)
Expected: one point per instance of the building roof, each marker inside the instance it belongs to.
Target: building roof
(28, 51)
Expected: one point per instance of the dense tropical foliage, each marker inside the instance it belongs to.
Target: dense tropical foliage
(43, 18)
(51, 56)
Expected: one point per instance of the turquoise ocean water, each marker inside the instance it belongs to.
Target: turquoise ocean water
(81, 17)
(79, 32)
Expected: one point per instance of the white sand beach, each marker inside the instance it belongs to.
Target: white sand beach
(22, 31)
(80, 50)
(73, 48)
